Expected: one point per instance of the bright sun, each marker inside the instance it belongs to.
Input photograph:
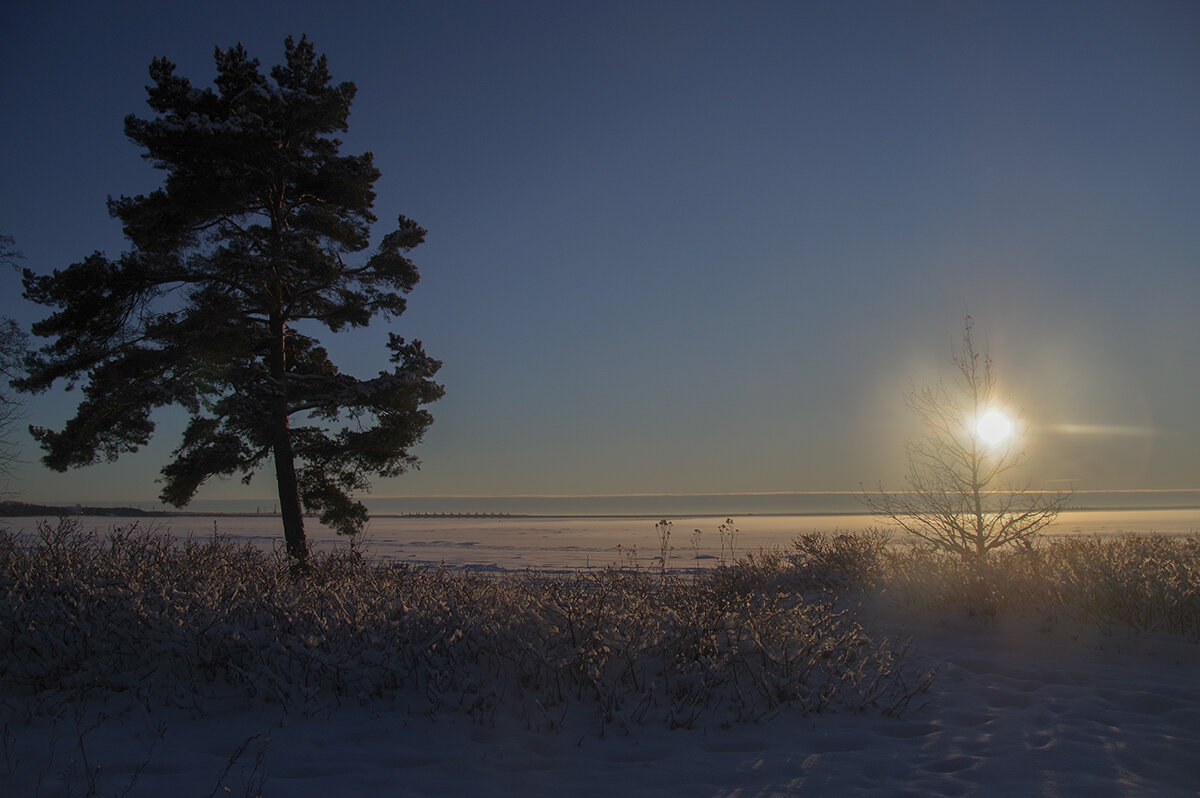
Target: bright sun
(994, 427)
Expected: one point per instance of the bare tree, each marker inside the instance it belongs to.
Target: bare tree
(13, 344)
(957, 497)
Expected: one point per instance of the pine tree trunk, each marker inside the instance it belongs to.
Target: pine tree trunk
(281, 443)
(289, 492)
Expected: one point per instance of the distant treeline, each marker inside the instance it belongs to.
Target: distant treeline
(11, 509)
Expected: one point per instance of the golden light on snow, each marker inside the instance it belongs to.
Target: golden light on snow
(994, 427)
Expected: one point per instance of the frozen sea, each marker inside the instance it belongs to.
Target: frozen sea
(560, 543)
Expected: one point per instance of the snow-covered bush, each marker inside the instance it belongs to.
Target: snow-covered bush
(185, 621)
(1148, 582)
(1143, 582)
(841, 559)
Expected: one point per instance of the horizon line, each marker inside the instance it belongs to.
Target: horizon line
(643, 495)
(692, 495)
(737, 493)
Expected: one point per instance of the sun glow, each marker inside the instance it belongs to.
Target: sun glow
(994, 427)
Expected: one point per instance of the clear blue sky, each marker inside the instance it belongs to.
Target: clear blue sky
(701, 247)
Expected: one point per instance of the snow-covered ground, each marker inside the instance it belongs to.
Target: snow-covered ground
(1016, 709)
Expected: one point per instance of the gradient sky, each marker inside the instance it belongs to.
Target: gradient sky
(700, 247)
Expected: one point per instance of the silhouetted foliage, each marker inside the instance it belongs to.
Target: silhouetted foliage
(956, 500)
(236, 261)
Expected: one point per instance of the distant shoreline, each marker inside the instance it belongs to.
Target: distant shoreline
(10, 509)
(14, 509)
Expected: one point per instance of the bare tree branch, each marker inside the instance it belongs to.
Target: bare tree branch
(955, 499)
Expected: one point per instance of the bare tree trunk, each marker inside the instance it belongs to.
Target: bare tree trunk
(281, 443)
(980, 527)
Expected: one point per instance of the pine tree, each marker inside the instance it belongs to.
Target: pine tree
(236, 262)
